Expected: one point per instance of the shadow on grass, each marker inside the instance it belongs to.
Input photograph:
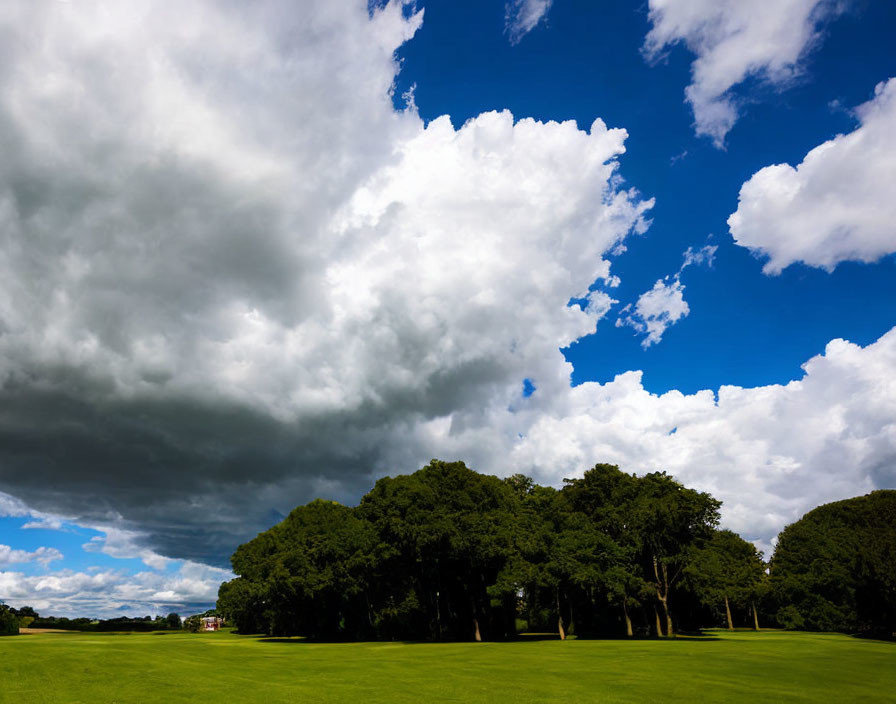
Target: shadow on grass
(690, 637)
(302, 640)
(879, 637)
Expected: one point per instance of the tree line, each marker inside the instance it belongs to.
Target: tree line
(11, 620)
(448, 553)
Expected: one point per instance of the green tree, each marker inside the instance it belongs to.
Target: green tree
(671, 521)
(571, 560)
(9, 623)
(608, 497)
(835, 568)
(307, 575)
(446, 534)
(242, 602)
(545, 559)
(727, 569)
(172, 620)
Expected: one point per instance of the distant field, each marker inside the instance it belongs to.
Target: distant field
(744, 666)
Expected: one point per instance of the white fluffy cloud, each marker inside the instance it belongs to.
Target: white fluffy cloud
(43, 556)
(110, 593)
(664, 305)
(734, 40)
(836, 205)
(123, 544)
(522, 16)
(656, 309)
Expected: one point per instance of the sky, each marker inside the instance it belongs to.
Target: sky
(255, 254)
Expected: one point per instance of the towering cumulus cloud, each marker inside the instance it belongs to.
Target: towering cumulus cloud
(233, 275)
(836, 205)
(734, 40)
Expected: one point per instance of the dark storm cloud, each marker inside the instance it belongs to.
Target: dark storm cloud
(197, 479)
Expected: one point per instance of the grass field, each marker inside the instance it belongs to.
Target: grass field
(769, 666)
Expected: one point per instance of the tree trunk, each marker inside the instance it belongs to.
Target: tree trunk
(755, 616)
(662, 593)
(530, 597)
(728, 614)
(560, 619)
(659, 625)
(628, 621)
(477, 636)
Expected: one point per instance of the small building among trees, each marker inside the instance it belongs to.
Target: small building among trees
(211, 623)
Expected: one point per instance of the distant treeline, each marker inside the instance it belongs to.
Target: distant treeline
(123, 623)
(26, 617)
(447, 553)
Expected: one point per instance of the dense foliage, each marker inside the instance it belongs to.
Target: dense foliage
(9, 622)
(728, 571)
(835, 568)
(447, 553)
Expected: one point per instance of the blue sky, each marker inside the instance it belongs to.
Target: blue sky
(245, 262)
(583, 61)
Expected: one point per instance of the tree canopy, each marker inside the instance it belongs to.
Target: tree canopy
(727, 570)
(448, 553)
(835, 568)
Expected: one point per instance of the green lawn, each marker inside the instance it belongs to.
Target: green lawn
(769, 666)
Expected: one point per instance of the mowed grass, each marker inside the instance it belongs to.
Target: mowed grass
(769, 666)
